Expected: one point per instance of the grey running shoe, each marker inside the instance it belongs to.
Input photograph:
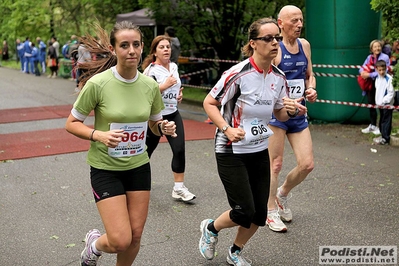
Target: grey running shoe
(283, 210)
(237, 259)
(183, 194)
(207, 241)
(88, 257)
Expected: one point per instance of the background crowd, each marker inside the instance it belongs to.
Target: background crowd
(378, 71)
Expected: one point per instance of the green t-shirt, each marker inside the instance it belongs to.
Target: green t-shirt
(116, 101)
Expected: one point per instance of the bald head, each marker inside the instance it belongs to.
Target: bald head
(290, 21)
(286, 11)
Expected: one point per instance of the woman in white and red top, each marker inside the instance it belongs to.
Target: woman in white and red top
(158, 66)
(248, 94)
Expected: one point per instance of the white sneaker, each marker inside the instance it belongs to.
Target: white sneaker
(376, 131)
(371, 129)
(367, 129)
(283, 210)
(183, 194)
(274, 222)
(380, 141)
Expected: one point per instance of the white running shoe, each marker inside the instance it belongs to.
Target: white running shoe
(274, 222)
(283, 210)
(88, 257)
(183, 194)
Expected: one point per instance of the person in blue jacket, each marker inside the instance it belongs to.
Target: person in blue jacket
(35, 58)
(28, 64)
(41, 46)
(21, 52)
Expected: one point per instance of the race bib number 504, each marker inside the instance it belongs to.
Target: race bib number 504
(133, 141)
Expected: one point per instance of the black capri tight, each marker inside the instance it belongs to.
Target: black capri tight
(246, 179)
(177, 144)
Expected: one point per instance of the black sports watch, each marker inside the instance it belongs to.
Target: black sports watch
(295, 114)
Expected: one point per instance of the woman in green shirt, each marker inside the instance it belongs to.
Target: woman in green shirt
(125, 103)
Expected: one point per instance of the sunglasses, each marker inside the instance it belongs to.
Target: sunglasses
(269, 38)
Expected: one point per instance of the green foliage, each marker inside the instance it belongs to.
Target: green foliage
(217, 24)
(60, 18)
(213, 23)
(390, 17)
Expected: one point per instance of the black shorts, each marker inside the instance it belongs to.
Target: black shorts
(246, 179)
(107, 184)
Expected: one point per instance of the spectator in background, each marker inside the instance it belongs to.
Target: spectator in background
(74, 45)
(52, 60)
(28, 64)
(41, 46)
(65, 50)
(395, 53)
(35, 58)
(386, 47)
(5, 55)
(20, 53)
(56, 45)
(384, 96)
(375, 55)
(170, 32)
(84, 56)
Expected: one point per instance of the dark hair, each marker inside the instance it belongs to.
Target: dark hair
(253, 32)
(99, 45)
(170, 31)
(151, 54)
(381, 63)
(124, 25)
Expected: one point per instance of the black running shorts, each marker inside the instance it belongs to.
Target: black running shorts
(106, 184)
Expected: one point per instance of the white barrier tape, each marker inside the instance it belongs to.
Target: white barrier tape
(360, 104)
(323, 101)
(237, 61)
(207, 59)
(334, 75)
(201, 49)
(195, 86)
(195, 73)
(336, 66)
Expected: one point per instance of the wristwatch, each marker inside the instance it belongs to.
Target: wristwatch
(295, 114)
(225, 128)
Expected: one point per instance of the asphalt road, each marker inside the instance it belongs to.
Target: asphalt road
(46, 205)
